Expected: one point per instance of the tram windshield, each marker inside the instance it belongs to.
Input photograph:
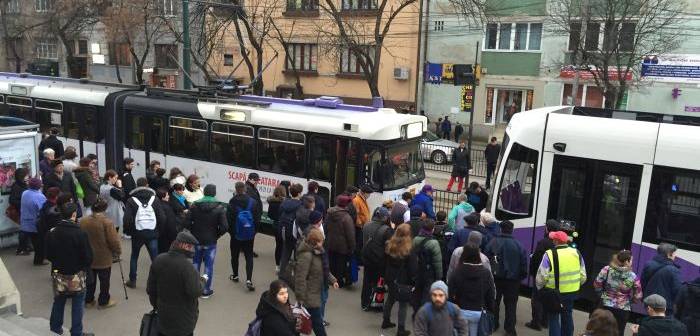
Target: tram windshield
(395, 167)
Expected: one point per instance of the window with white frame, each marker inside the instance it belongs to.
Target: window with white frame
(348, 60)
(13, 7)
(439, 25)
(519, 36)
(42, 5)
(167, 7)
(47, 49)
(359, 4)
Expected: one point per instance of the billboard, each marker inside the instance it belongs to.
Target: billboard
(676, 68)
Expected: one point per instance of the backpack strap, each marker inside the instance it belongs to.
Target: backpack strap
(555, 264)
(150, 201)
(136, 200)
(250, 204)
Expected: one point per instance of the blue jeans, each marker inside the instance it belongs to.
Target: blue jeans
(136, 244)
(566, 328)
(317, 321)
(472, 317)
(324, 299)
(206, 253)
(77, 309)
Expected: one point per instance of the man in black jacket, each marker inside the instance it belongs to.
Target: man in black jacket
(509, 267)
(375, 234)
(127, 178)
(539, 317)
(657, 323)
(143, 216)
(240, 202)
(207, 222)
(68, 249)
(492, 151)
(172, 225)
(60, 179)
(461, 165)
(52, 142)
(319, 203)
(251, 188)
(174, 287)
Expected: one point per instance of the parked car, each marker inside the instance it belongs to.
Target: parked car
(437, 150)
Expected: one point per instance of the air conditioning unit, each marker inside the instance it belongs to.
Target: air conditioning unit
(401, 73)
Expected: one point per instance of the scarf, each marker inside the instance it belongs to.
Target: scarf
(326, 265)
(207, 199)
(180, 198)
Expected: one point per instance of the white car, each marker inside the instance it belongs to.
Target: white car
(437, 150)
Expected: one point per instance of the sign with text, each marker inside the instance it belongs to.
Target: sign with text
(678, 68)
(467, 98)
(569, 72)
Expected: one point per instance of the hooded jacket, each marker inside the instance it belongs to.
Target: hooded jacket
(455, 219)
(68, 248)
(443, 321)
(362, 210)
(273, 208)
(426, 202)
(143, 194)
(662, 276)
(274, 320)
(340, 231)
(48, 217)
(288, 213)
(661, 326)
(207, 220)
(619, 287)
(168, 232)
(103, 238)
(65, 183)
(90, 187)
(16, 194)
(308, 275)
(234, 204)
(688, 305)
(472, 287)
(510, 256)
(400, 271)
(462, 235)
(173, 288)
(433, 247)
(32, 202)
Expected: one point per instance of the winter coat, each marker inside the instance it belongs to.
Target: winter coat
(472, 288)
(103, 238)
(619, 287)
(177, 206)
(45, 167)
(688, 305)
(373, 253)
(234, 204)
(426, 202)
(173, 288)
(207, 220)
(128, 183)
(457, 255)
(662, 276)
(362, 209)
(68, 248)
(273, 208)
(48, 217)
(661, 326)
(288, 213)
(302, 218)
(461, 162)
(400, 271)
(65, 183)
(491, 152)
(540, 249)
(253, 192)
(319, 203)
(89, 185)
(433, 248)
(168, 232)
(455, 219)
(32, 201)
(54, 143)
(16, 192)
(308, 275)
(276, 319)
(115, 206)
(462, 235)
(478, 201)
(446, 126)
(69, 165)
(444, 321)
(510, 257)
(459, 130)
(156, 183)
(340, 231)
(143, 194)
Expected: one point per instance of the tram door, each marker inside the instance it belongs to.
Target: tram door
(600, 198)
(146, 142)
(346, 167)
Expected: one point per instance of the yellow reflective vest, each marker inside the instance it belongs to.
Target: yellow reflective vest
(569, 270)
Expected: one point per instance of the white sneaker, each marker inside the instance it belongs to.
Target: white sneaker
(277, 269)
(126, 237)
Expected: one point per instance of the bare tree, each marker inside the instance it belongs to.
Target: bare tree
(284, 41)
(16, 28)
(254, 25)
(608, 38)
(362, 38)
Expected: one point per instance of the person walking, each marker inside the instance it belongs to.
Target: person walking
(275, 312)
(111, 192)
(59, 178)
(319, 203)
(242, 230)
(439, 317)
(374, 235)
(90, 186)
(619, 287)
(688, 304)
(539, 316)
(143, 216)
(474, 239)
(128, 182)
(252, 190)
(446, 128)
(602, 323)
(311, 273)
(288, 212)
(461, 166)
(207, 222)
(106, 247)
(429, 257)
(472, 288)
(459, 130)
(399, 276)
(48, 218)
(52, 141)
(661, 275)
(340, 240)
(425, 200)
(174, 287)
(68, 249)
(273, 211)
(509, 269)
(658, 322)
(173, 223)
(32, 202)
(477, 196)
(491, 153)
(571, 272)
(455, 219)
(14, 208)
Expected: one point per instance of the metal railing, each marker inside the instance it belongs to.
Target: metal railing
(439, 158)
(445, 200)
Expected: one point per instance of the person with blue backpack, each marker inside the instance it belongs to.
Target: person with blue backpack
(207, 222)
(439, 317)
(242, 231)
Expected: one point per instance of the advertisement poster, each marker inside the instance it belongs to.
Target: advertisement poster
(467, 101)
(677, 68)
(15, 152)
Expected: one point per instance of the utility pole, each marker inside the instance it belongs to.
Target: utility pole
(471, 114)
(186, 82)
(581, 44)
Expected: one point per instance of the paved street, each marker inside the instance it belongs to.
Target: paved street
(226, 313)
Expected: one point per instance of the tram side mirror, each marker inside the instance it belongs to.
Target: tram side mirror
(560, 147)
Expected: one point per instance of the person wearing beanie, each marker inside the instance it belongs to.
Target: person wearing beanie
(240, 212)
(439, 317)
(474, 239)
(32, 201)
(572, 275)
(374, 237)
(429, 255)
(425, 200)
(539, 316)
(207, 222)
(340, 240)
(472, 288)
(315, 222)
(172, 272)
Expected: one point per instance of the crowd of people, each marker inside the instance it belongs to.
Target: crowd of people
(452, 268)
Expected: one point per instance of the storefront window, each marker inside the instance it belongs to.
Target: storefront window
(591, 94)
(503, 103)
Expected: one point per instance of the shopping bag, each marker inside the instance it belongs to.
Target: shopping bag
(303, 319)
(149, 324)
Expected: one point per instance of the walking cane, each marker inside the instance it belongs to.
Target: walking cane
(121, 271)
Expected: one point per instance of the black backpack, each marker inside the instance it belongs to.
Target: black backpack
(286, 223)
(425, 275)
(373, 251)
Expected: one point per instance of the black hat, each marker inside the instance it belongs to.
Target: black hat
(186, 237)
(210, 190)
(254, 176)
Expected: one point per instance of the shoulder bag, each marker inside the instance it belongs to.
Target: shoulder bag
(550, 297)
(68, 284)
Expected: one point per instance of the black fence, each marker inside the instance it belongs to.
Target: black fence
(445, 200)
(439, 158)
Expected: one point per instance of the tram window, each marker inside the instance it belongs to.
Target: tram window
(189, 138)
(515, 198)
(3, 107)
(281, 151)
(135, 135)
(321, 158)
(48, 114)
(232, 144)
(19, 107)
(157, 132)
(673, 209)
(91, 123)
(374, 169)
(71, 123)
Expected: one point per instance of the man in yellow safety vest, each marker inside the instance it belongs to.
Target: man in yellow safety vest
(571, 275)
